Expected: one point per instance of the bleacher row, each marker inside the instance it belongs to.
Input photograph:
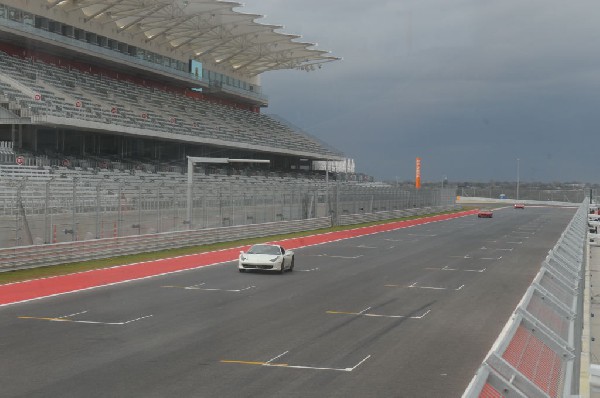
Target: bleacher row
(29, 183)
(34, 88)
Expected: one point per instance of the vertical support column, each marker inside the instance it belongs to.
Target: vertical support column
(159, 216)
(139, 224)
(328, 205)
(73, 223)
(98, 211)
(46, 200)
(190, 180)
(119, 210)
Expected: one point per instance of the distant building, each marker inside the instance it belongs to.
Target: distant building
(341, 166)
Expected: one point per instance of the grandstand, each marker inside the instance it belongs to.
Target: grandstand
(143, 84)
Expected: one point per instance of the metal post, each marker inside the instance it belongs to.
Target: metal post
(327, 186)
(73, 224)
(139, 225)
(98, 211)
(190, 180)
(518, 161)
(46, 200)
(159, 216)
(120, 209)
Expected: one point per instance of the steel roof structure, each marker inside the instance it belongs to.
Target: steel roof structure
(205, 30)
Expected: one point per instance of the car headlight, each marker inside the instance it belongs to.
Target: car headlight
(274, 259)
(243, 258)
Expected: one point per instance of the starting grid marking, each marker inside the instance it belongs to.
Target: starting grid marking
(270, 363)
(65, 318)
(447, 268)
(333, 256)
(414, 285)
(365, 313)
(199, 287)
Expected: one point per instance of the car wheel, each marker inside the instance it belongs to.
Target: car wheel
(292, 265)
(241, 270)
(282, 270)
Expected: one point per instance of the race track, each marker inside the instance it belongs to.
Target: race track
(404, 313)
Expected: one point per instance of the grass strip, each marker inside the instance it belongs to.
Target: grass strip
(63, 269)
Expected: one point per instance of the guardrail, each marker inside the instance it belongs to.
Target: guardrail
(536, 355)
(350, 219)
(61, 253)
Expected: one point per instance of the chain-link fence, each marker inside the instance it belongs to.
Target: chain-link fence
(53, 210)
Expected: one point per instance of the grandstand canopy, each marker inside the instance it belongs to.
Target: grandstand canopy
(206, 30)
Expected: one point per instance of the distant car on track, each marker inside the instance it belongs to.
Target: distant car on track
(519, 206)
(266, 257)
(485, 213)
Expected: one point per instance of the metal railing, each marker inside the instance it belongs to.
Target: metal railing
(70, 205)
(61, 253)
(537, 353)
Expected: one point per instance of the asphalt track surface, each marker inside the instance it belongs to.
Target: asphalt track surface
(404, 313)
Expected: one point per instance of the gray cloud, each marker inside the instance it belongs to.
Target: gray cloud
(468, 85)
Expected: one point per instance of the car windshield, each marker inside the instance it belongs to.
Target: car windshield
(265, 249)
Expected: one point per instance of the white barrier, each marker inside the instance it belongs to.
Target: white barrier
(537, 353)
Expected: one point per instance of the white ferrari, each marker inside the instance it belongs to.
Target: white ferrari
(266, 257)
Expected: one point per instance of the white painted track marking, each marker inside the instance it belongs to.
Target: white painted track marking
(447, 268)
(277, 357)
(70, 315)
(334, 256)
(88, 322)
(414, 285)
(284, 365)
(197, 287)
(307, 270)
(362, 313)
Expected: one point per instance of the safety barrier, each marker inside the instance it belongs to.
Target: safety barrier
(93, 249)
(61, 253)
(350, 219)
(536, 355)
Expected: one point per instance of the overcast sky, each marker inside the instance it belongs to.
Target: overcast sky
(470, 86)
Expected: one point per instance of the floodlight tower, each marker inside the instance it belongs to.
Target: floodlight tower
(518, 161)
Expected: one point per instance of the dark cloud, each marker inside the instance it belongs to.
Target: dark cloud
(469, 86)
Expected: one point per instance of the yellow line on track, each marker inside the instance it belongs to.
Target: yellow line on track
(45, 319)
(341, 312)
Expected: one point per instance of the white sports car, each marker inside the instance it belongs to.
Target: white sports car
(266, 257)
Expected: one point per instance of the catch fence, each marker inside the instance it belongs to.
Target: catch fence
(48, 209)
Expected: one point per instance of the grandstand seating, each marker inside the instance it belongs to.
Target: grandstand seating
(31, 180)
(34, 88)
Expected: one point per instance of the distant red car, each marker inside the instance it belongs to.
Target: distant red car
(485, 214)
(519, 206)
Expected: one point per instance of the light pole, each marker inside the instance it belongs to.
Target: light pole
(518, 161)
